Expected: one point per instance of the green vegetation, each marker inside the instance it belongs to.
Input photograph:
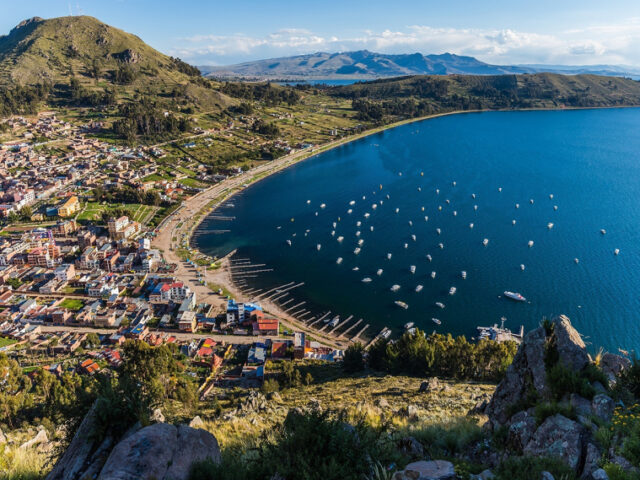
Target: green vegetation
(72, 304)
(353, 358)
(4, 342)
(442, 355)
(526, 468)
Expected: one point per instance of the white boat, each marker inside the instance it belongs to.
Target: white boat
(386, 334)
(603, 231)
(531, 201)
(367, 215)
(349, 211)
(419, 288)
(364, 198)
(322, 205)
(455, 213)
(473, 195)
(316, 214)
(326, 320)
(517, 205)
(408, 325)
(318, 246)
(549, 225)
(401, 304)
(530, 243)
(576, 260)
(406, 245)
(440, 207)
(438, 231)
(374, 206)
(429, 257)
(522, 267)
(360, 242)
(463, 274)
(355, 269)
(475, 207)
(426, 219)
(485, 242)
(441, 245)
(334, 322)
(388, 256)
(471, 225)
(413, 237)
(308, 202)
(439, 304)
(357, 250)
(358, 233)
(453, 183)
(551, 196)
(371, 228)
(433, 274)
(352, 202)
(334, 224)
(358, 223)
(515, 296)
(499, 189)
(288, 242)
(366, 280)
(513, 222)
(616, 251)
(410, 223)
(379, 272)
(278, 227)
(437, 191)
(452, 290)
(448, 201)
(340, 238)
(411, 331)
(436, 321)
(422, 208)
(397, 210)
(412, 269)
(333, 233)
(395, 288)
(555, 207)
(339, 260)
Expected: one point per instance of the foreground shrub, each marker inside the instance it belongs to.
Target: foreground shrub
(528, 468)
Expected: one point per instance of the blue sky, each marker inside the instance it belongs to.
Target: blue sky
(231, 31)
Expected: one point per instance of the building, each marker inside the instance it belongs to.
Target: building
(187, 321)
(65, 273)
(69, 207)
(122, 228)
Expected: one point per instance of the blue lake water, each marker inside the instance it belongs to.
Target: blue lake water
(589, 160)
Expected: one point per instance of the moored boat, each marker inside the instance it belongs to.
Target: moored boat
(515, 296)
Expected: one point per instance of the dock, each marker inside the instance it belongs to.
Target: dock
(346, 332)
(356, 337)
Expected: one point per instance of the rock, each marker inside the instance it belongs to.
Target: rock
(526, 372)
(599, 388)
(128, 56)
(572, 351)
(429, 385)
(581, 405)
(410, 411)
(622, 463)
(602, 406)
(612, 365)
(484, 475)
(40, 438)
(547, 476)
(275, 397)
(3, 438)
(558, 437)
(599, 474)
(157, 416)
(196, 422)
(427, 470)
(521, 430)
(160, 452)
(411, 447)
(591, 460)
(381, 402)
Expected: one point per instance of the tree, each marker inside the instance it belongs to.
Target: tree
(92, 340)
(26, 212)
(353, 358)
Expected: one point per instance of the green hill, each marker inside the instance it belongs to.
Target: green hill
(57, 50)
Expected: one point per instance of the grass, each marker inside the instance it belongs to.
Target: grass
(5, 342)
(21, 464)
(72, 304)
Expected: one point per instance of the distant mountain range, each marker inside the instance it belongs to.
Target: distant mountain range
(364, 64)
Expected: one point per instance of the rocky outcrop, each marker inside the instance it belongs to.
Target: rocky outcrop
(523, 426)
(602, 407)
(157, 416)
(525, 373)
(430, 385)
(572, 351)
(558, 437)
(427, 470)
(128, 56)
(40, 438)
(612, 365)
(161, 452)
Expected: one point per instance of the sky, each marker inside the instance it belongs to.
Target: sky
(214, 32)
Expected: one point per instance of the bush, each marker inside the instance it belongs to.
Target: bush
(549, 409)
(447, 439)
(563, 381)
(269, 386)
(353, 358)
(616, 472)
(527, 468)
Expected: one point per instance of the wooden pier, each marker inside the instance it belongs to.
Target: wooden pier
(346, 332)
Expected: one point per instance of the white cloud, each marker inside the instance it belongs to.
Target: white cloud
(617, 44)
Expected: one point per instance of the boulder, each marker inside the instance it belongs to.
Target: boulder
(381, 402)
(612, 365)
(526, 373)
(275, 397)
(521, 430)
(157, 416)
(411, 447)
(581, 405)
(429, 385)
(427, 470)
(40, 438)
(160, 452)
(196, 422)
(572, 351)
(602, 406)
(591, 461)
(558, 437)
(547, 476)
(599, 474)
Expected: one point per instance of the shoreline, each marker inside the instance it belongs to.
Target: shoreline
(214, 196)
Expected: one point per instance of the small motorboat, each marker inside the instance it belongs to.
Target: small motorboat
(436, 321)
(433, 274)
(366, 280)
(322, 205)
(355, 269)
(603, 231)
(463, 274)
(395, 288)
(530, 243)
(357, 250)
(419, 288)
(549, 225)
(485, 242)
(340, 238)
(318, 246)
(339, 260)
(452, 290)
(438, 231)
(379, 272)
(412, 269)
(522, 267)
(288, 242)
(471, 225)
(408, 325)
(388, 256)
(429, 257)
(401, 304)
(616, 251)
(515, 296)
(441, 245)
(439, 304)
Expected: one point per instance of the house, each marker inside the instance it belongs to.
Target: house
(65, 273)
(187, 321)
(69, 207)
(266, 326)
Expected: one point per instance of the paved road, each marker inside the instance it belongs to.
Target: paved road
(235, 339)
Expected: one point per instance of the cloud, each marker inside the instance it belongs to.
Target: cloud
(618, 44)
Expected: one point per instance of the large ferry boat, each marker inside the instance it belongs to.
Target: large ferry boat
(515, 296)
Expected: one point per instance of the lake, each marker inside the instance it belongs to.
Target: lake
(587, 160)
